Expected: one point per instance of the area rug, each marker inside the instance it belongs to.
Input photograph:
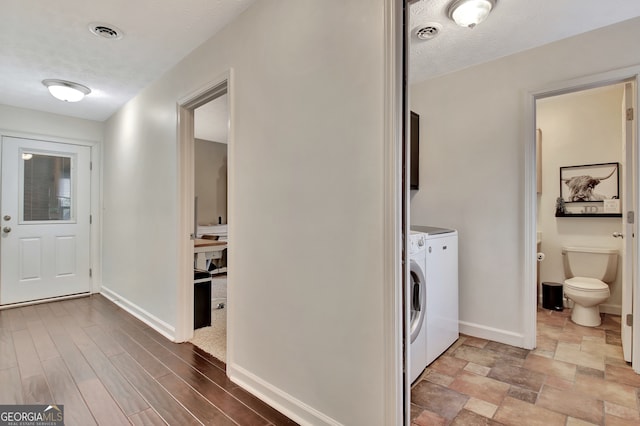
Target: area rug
(213, 339)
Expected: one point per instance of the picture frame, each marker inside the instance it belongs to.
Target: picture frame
(590, 190)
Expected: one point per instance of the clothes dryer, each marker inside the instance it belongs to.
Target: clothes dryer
(441, 274)
(417, 302)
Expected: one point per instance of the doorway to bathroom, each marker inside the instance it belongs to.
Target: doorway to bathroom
(583, 130)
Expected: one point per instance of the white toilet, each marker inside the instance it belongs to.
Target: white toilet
(588, 272)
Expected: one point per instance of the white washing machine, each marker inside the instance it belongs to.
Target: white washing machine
(441, 275)
(417, 301)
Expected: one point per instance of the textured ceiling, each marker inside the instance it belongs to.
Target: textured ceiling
(513, 26)
(50, 39)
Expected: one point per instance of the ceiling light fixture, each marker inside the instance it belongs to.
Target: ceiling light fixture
(66, 90)
(469, 13)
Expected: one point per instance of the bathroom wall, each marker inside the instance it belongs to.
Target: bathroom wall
(211, 181)
(578, 128)
(472, 157)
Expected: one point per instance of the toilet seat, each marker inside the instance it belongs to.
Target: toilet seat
(586, 284)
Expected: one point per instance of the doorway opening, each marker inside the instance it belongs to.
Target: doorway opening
(210, 185)
(583, 127)
(203, 201)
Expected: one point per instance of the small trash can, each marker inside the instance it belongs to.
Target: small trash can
(201, 299)
(552, 296)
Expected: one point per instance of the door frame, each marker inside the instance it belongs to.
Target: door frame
(529, 299)
(95, 227)
(186, 193)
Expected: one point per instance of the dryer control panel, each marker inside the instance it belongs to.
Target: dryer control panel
(417, 242)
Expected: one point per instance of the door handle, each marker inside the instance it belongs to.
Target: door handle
(617, 235)
(6, 229)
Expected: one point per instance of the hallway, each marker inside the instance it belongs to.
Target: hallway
(108, 368)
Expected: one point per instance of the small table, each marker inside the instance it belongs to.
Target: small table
(204, 250)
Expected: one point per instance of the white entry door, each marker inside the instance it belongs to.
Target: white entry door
(44, 221)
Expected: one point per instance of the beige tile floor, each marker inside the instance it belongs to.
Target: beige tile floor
(576, 376)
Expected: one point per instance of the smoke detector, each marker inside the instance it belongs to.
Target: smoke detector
(107, 31)
(428, 31)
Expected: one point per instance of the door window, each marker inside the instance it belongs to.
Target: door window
(46, 188)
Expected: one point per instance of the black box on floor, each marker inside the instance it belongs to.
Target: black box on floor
(552, 296)
(201, 299)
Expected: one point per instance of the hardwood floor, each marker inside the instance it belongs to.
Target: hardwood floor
(108, 368)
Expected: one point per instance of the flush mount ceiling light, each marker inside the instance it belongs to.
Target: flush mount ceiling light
(469, 13)
(66, 90)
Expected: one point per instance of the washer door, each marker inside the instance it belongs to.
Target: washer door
(418, 299)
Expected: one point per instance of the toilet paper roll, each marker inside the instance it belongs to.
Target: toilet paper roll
(540, 257)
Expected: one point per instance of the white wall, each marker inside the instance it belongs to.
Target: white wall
(472, 164)
(47, 124)
(578, 128)
(306, 278)
(211, 181)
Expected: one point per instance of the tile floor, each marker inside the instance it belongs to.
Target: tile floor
(575, 377)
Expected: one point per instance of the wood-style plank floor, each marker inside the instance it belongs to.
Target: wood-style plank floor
(108, 368)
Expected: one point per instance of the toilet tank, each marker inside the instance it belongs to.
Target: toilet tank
(591, 262)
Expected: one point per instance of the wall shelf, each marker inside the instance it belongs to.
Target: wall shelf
(588, 214)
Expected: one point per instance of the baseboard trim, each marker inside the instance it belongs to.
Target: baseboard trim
(607, 308)
(47, 300)
(152, 321)
(490, 333)
(291, 407)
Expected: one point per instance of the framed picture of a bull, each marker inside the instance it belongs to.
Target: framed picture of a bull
(590, 183)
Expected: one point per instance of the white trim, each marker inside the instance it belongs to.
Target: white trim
(96, 216)
(396, 409)
(47, 138)
(151, 320)
(291, 407)
(607, 308)
(528, 286)
(635, 347)
(47, 300)
(231, 214)
(530, 239)
(185, 197)
(490, 333)
(186, 193)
